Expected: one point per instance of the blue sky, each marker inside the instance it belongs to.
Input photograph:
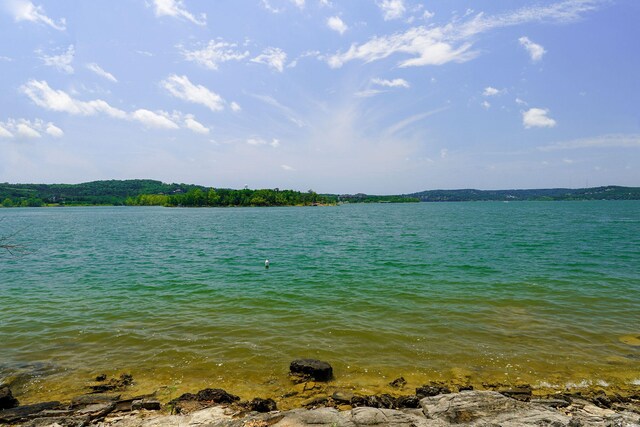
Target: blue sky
(375, 96)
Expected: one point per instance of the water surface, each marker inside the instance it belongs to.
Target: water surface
(540, 292)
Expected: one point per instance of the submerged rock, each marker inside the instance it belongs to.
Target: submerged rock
(431, 390)
(262, 405)
(398, 382)
(312, 368)
(113, 384)
(7, 400)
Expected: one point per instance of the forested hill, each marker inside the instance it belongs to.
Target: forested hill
(146, 192)
(596, 193)
(112, 192)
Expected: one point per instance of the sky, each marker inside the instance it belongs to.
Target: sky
(337, 96)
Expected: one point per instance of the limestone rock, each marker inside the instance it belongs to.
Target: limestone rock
(489, 407)
(26, 411)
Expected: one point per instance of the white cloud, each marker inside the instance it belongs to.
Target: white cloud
(438, 45)
(195, 126)
(57, 100)
(428, 15)
(60, 62)
(24, 10)
(521, 101)
(491, 91)
(256, 141)
(444, 153)
(535, 50)
(267, 5)
(486, 105)
(287, 167)
(159, 120)
(368, 93)
(603, 141)
(54, 130)
(6, 59)
(23, 128)
(391, 83)
(392, 9)
(537, 117)
(181, 87)
(235, 107)
(273, 57)
(25, 131)
(427, 45)
(102, 73)
(299, 3)
(176, 9)
(215, 53)
(4, 133)
(275, 143)
(336, 24)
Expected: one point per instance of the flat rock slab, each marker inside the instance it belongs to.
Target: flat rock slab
(26, 412)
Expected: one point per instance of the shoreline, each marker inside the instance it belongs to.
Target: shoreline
(431, 404)
(110, 402)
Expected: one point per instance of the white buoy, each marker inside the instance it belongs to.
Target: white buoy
(266, 263)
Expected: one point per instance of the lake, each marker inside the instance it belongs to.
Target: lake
(545, 293)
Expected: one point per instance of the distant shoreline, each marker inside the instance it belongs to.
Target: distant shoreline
(156, 193)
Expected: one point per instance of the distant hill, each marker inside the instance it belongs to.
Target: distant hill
(112, 192)
(147, 192)
(150, 192)
(596, 193)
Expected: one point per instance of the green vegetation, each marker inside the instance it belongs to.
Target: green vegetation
(367, 198)
(141, 192)
(596, 193)
(146, 192)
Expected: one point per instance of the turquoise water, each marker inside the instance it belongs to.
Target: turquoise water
(546, 293)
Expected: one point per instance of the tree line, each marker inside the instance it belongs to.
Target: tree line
(220, 197)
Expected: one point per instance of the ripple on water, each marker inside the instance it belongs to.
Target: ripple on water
(528, 292)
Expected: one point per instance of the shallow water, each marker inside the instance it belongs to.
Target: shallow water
(545, 293)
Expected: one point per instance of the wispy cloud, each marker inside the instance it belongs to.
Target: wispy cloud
(536, 51)
(392, 9)
(602, 141)
(177, 9)
(275, 143)
(57, 100)
(44, 96)
(391, 83)
(101, 72)
(288, 112)
(491, 91)
(214, 53)
(24, 128)
(191, 123)
(453, 42)
(337, 24)
(24, 10)
(537, 117)
(60, 62)
(182, 88)
(273, 57)
(402, 124)
(151, 119)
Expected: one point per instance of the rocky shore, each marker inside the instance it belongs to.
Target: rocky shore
(433, 404)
